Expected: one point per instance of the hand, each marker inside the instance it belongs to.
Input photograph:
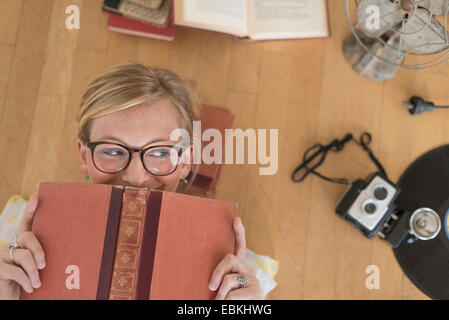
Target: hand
(28, 257)
(225, 274)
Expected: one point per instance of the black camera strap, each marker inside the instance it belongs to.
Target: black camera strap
(320, 153)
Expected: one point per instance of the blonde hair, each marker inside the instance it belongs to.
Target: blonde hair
(133, 84)
(130, 85)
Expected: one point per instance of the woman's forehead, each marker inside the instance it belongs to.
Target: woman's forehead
(138, 125)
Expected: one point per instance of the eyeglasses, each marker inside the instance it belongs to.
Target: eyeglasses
(112, 158)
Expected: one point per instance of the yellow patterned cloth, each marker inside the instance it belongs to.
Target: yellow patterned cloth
(264, 267)
(10, 218)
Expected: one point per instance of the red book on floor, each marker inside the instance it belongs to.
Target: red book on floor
(121, 24)
(212, 118)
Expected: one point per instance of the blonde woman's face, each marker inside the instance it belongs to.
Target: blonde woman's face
(137, 127)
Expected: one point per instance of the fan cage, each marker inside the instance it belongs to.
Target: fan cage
(442, 57)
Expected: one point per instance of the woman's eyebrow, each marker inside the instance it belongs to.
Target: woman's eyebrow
(122, 142)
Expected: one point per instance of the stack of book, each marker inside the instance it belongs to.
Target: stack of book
(243, 19)
(144, 18)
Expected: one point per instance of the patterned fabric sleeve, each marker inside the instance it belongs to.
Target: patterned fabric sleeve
(10, 218)
(264, 267)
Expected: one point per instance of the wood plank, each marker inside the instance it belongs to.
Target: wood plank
(6, 54)
(10, 12)
(243, 106)
(265, 214)
(19, 108)
(298, 125)
(337, 254)
(48, 122)
(153, 52)
(213, 71)
(90, 63)
(245, 66)
(94, 34)
(121, 49)
(183, 57)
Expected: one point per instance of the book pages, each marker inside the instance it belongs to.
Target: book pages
(284, 19)
(228, 16)
(152, 4)
(157, 17)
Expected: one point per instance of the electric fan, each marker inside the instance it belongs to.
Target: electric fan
(392, 34)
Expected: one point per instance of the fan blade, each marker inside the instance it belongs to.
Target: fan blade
(437, 7)
(367, 19)
(423, 36)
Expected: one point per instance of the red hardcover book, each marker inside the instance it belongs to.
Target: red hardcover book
(212, 118)
(121, 24)
(113, 242)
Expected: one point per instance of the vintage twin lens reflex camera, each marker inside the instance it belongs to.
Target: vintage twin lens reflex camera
(368, 205)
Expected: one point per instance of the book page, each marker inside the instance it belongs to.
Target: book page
(284, 19)
(228, 16)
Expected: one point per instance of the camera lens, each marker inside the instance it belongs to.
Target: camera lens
(380, 193)
(369, 207)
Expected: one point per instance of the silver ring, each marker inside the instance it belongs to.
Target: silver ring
(242, 280)
(14, 243)
(11, 255)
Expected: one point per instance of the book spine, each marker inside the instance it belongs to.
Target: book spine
(111, 6)
(110, 242)
(127, 254)
(148, 248)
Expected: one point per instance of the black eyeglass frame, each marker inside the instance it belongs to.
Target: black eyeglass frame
(141, 151)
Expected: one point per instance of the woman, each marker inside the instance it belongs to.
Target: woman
(125, 121)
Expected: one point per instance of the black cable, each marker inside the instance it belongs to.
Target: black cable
(441, 107)
(322, 151)
(364, 145)
(416, 105)
(335, 146)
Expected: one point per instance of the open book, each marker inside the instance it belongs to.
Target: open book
(256, 19)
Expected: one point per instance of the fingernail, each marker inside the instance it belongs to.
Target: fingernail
(41, 264)
(28, 289)
(37, 284)
(212, 286)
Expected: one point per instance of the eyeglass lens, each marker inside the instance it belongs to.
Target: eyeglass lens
(112, 158)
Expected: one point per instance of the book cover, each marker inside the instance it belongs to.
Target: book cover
(157, 17)
(221, 119)
(121, 24)
(114, 242)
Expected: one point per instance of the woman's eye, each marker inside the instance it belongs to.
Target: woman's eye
(159, 153)
(113, 152)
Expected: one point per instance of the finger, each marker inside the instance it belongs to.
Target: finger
(28, 240)
(27, 220)
(229, 264)
(24, 259)
(229, 283)
(248, 293)
(240, 239)
(15, 273)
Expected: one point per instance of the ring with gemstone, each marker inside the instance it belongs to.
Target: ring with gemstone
(242, 281)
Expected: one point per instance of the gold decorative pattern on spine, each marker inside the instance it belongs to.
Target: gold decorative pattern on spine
(128, 244)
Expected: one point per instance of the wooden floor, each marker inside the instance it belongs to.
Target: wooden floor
(303, 88)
